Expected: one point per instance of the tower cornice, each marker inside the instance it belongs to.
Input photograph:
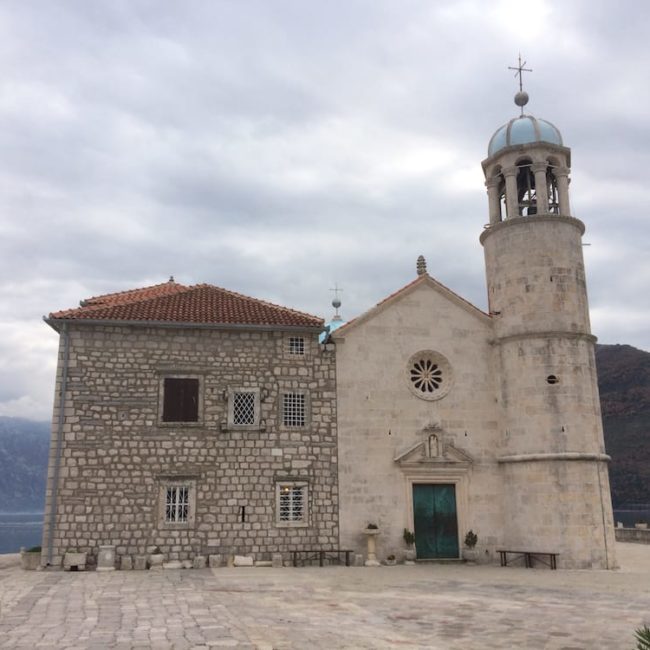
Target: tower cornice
(538, 218)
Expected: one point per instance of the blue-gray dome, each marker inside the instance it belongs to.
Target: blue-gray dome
(523, 130)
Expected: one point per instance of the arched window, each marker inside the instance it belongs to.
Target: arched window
(526, 195)
(551, 184)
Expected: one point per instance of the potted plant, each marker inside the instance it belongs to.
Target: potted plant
(30, 559)
(470, 554)
(371, 531)
(409, 540)
(391, 560)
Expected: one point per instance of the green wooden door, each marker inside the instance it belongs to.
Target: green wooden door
(435, 522)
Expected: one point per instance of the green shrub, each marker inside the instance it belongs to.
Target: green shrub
(33, 549)
(642, 638)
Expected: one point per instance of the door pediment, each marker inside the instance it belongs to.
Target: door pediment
(432, 450)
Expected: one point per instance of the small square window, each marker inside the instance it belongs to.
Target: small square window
(297, 345)
(244, 407)
(177, 504)
(293, 409)
(180, 399)
(292, 506)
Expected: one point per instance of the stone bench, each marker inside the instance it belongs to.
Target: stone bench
(529, 557)
(320, 554)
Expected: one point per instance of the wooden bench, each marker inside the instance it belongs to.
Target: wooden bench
(529, 557)
(321, 554)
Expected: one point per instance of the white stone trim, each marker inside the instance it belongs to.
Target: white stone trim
(161, 398)
(170, 482)
(304, 486)
(231, 412)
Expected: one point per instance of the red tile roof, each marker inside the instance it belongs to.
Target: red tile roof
(201, 304)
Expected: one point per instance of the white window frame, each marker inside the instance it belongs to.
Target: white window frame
(281, 488)
(231, 408)
(297, 346)
(167, 484)
(305, 400)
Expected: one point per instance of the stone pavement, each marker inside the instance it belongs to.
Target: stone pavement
(423, 606)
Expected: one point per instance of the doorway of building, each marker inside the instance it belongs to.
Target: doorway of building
(435, 520)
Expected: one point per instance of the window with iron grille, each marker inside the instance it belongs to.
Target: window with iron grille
(292, 504)
(243, 408)
(293, 409)
(177, 504)
(296, 345)
(180, 399)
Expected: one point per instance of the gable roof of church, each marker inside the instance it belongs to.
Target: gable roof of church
(197, 305)
(426, 279)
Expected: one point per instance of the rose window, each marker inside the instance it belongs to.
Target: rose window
(429, 375)
(426, 375)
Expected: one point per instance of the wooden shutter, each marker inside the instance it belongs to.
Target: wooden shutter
(181, 400)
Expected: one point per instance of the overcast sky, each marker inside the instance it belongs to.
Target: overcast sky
(277, 147)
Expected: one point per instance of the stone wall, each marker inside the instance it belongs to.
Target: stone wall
(381, 419)
(117, 455)
(636, 535)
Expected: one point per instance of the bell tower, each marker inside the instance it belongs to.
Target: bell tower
(551, 455)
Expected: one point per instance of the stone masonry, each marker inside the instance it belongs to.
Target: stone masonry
(116, 455)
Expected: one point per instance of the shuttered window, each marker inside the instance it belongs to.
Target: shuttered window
(181, 400)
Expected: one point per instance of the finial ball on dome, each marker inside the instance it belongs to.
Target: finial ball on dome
(336, 303)
(521, 98)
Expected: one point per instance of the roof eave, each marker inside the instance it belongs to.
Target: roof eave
(53, 322)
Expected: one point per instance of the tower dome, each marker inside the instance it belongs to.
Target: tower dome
(524, 129)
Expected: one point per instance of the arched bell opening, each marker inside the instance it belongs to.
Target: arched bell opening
(552, 186)
(496, 185)
(526, 192)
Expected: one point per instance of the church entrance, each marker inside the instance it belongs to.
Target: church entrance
(434, 520)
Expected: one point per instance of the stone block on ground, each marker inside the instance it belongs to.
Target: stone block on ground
(243, 560)
(215, 561)
(140, 562)
(199, 562)
(126, 563)
(187, 564)
(277, 560)
(172, 565)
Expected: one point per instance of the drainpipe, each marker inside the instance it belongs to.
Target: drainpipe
(59, 444)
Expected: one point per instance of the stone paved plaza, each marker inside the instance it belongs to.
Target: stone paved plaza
(422, 606)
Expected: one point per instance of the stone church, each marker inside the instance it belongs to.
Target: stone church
(202, 421)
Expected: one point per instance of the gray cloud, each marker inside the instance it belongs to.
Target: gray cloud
(275, 148)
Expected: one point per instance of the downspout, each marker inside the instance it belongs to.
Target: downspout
(59, 444)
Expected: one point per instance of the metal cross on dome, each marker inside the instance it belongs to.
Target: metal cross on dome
(520, 68)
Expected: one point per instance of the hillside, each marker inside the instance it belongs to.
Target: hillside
(623, 380)
(24, 448)
(624, 384)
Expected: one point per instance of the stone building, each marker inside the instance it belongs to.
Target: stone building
(194, 419)
(203, 421)
(451, 419)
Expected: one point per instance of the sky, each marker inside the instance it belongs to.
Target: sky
(277, 147)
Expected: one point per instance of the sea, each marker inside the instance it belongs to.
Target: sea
(26, 528)
(20, 529)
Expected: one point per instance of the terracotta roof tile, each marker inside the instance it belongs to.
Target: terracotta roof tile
(201, 304)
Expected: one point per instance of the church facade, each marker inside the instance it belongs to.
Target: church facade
(452, 420)
(202, 421)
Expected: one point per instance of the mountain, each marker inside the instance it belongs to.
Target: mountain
(623, 381)
(24, 447)
(624, 385)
